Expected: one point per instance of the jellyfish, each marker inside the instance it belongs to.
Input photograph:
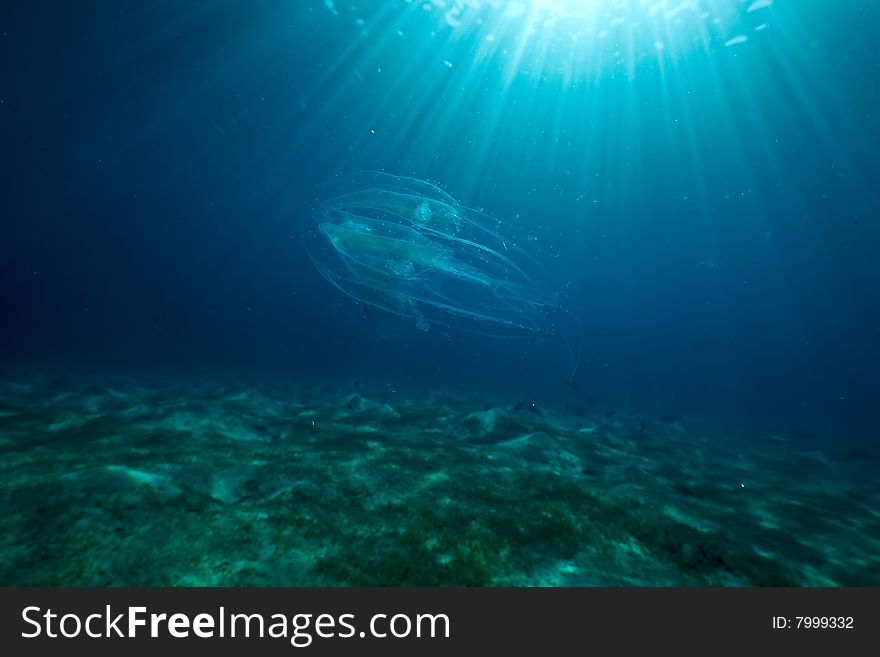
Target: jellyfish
(406, 247)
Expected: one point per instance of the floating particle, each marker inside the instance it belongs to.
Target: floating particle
(682, 6)
(741, 38)
(762, 26)
(759, 4)
(451, 19)
(448, 63)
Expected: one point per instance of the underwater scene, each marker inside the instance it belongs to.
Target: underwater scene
(440, 293)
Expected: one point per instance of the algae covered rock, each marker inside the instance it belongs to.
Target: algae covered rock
(492, 425)
(120, 479)
(360, 407)
(541, 449)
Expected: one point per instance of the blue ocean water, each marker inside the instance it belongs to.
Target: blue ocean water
(698, 178)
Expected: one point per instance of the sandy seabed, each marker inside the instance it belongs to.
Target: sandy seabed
(141, 482)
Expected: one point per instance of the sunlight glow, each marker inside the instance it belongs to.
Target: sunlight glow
(567, 40)
(592, 35)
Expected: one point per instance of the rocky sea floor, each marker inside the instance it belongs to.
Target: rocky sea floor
(145, 483)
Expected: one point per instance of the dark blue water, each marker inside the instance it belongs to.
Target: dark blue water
(709, 211)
